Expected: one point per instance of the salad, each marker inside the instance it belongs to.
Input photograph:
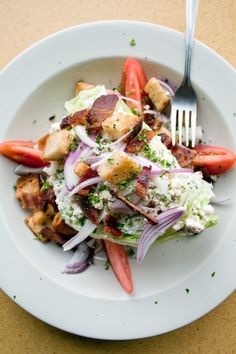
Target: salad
(106, 177)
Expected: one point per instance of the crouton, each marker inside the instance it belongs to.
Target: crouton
(61, 227)
(81, 168)
(42, 142)
(28, 191)
(80, 86)
(156, 94)
(57, 145)
(119, 167)
(119, 124)
(36, 222)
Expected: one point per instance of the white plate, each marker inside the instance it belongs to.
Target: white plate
(33, 87)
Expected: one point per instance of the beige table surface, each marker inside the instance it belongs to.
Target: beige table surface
(24, 22)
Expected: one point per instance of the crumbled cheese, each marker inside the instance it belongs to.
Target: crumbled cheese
(193, 224)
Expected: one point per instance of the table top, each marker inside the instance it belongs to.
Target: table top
(25, 22)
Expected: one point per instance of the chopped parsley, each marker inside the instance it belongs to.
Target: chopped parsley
(111, 161)
(14, 297)
(234, 114)
(41, 238)
(45, 186)
(123, 184)
(145, 99)
(102, 188)
(134, 111)
(81, 221)
(98, 139)
(73, 146)
(107, 265)
(132, 42)
(34, 121)
(114, 126)
(52, 117)
(155, 302)
(131, 253)
(151, 155)
(187, 291)
(213, 274)
(93, 198)
(14, 187)
(81, 81)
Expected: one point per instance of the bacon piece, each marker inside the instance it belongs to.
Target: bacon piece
(138, 142)
(79, 117)
(50, 234)
(90, 212)
(135, 208)
(136, 130)
(102, 108)
(142, 182)
(157, 124)
(87, 174)
(110, 226)
(183, 155)
(28, 191)
(47, 197)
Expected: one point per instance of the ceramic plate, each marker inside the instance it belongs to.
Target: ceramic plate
(33, 87)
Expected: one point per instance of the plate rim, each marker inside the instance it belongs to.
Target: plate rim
(8, 289)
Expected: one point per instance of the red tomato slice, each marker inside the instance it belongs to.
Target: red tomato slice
(133, 82)
(22, 153)
(120, 264)
(16, 143)
(215, 159)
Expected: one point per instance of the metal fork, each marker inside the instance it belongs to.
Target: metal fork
(184, 103)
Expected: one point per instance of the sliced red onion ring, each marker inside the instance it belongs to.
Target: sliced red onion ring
(86, 183)
(22, 170)
(156, 172)
(126, 98)
(152, 232)
(120, 207)
(85, 231)
(71, 178)
(83, 135)
(217, 201)
(151, 111)
(143, 161)
(167, 87)
(120, 139)
(80, 259)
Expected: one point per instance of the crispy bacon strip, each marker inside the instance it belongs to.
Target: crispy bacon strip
(47, 197)
(90, 212)
(135, 208)
(102, 108)
(183, 155)
(87, 174)
(110, 226)
(138, 142)
(142, 183)
(79, 117)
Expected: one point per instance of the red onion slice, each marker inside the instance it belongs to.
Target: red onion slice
(22, 170)
(217, 201)
(156, 172)
(167, 87)
(83, 135)
(80, 259)
(152, 232)
(126, 98)
(86, 183)
(71, 178)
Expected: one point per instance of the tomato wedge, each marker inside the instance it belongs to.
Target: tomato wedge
(133, 82)
(215, 159)
(22, 152)
(120, 264)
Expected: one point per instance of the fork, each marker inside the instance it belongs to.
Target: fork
(184, 103)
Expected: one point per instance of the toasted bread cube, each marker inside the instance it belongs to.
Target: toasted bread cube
(28, 191)
(57, 145)
(119, 167)
(36, 222)
(81, 168)
(59, 225)
(156, 94)
(80, 86)
(119, 124)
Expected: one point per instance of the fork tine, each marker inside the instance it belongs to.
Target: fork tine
(187, 115)
(193, 126)
(173, 124)
(180, 123)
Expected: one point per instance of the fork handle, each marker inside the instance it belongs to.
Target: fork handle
(191, 16)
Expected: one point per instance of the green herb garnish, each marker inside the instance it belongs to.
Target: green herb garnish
(107, 265)
(111, 161)
(213, 274)
(187, 291)
(45, 186)
(73, 146)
